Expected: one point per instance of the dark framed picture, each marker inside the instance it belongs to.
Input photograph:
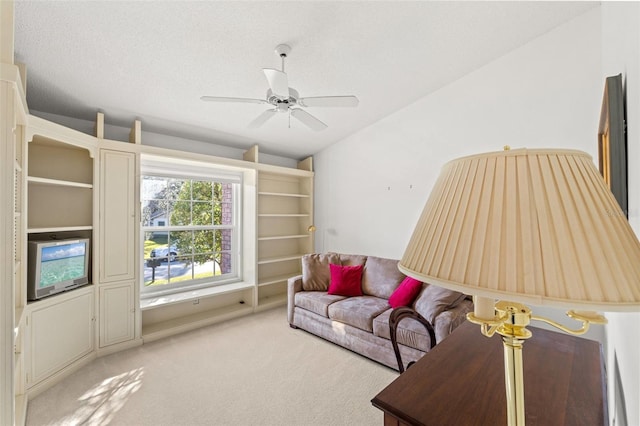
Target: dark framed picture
(612, 141)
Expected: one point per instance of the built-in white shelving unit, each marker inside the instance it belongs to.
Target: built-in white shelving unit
(59, 170)
(285, 230)
(59, 184)
(70, 184)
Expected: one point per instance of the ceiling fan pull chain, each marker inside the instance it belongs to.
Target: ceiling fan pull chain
(289, 118)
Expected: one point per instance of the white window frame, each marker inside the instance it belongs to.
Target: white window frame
(197, 171)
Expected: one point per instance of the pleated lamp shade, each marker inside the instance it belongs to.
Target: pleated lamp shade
(538, 227)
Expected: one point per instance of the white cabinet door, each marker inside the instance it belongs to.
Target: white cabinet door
(117, 216)
(61, 332)
(117, 313)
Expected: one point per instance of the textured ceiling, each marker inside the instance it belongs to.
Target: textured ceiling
(153, 60)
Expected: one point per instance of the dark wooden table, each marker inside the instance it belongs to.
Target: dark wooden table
(461, 382)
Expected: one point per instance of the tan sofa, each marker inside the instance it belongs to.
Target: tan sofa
(361, 323)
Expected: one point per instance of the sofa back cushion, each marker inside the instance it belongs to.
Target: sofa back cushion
(315, 270)
(433, 300)
(381, 277)
(352, 259)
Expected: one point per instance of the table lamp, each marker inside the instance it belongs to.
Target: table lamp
(536, 227)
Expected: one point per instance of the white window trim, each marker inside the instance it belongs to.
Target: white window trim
(190, 169)
(181, 168)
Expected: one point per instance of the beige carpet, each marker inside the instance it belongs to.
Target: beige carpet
(254, 370)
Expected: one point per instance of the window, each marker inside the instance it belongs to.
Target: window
(190, 228)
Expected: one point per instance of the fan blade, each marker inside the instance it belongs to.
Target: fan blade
(329, 101)
(223, 99)
(278, 82)
(308, 119)
(262, 118)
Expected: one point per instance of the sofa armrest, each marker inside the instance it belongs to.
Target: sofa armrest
(449, 319)
(294, 285)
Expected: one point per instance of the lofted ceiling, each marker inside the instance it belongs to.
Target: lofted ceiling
(153, 60)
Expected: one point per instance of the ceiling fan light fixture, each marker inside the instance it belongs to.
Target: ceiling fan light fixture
(283, 98)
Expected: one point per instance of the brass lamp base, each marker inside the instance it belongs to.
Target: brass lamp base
(510, 321)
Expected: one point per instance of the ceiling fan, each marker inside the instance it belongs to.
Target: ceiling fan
(284, 98)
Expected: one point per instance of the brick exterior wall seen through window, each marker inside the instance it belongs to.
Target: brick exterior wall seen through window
(227, 219)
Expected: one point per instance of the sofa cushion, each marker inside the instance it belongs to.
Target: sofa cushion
(409, 332)
(406, 292)
(352, 259)
(316, 301)
(315, 270)
(433, 300)
(381, 277)
(345, 280)
(358, 311)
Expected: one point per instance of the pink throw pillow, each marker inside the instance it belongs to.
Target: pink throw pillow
(405, 293)
(345, 280)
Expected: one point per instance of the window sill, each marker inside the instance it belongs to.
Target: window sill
(152, 301)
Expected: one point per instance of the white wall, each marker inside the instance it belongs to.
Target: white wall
(371, 187)
(621, 54)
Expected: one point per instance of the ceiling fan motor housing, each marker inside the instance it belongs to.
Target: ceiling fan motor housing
(283, 104)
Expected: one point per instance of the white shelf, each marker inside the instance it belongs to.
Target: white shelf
(59, 229)
(279, 259)
(58, 182)
(271, 302)
(283, 237)
(283, 215)
(17, 166)
(59, 298)
(275, 280)
(284, 194)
